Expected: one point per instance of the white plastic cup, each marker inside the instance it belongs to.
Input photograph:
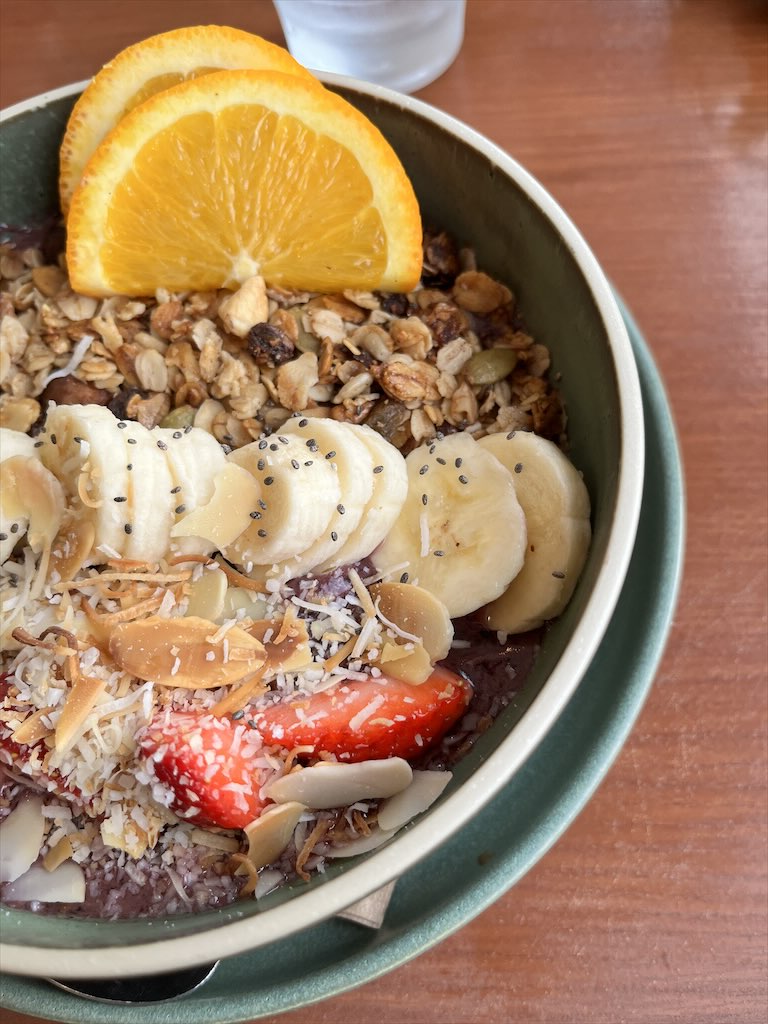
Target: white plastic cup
(403, 44)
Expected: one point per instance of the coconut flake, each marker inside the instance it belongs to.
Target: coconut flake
(78, 354)
(21, 836)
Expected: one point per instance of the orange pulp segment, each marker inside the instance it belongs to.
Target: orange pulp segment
(237, 173)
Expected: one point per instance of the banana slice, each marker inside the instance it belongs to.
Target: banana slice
(85, 449)
(12, 444)
(556, 505)
(461, 533)
(32, 501)
(194, 459)
(390, 487)
(149, 509)
(300, 492)
(350, 458)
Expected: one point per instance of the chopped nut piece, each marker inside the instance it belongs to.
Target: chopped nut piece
(446, 322)
(295, 379)
(454, 355)
(19, 413)
(441, 260)
(163, 317)
(411, 381)
(151, 370)
(247, 306)
(80, 702)
(411, 336)
(479, 293)
(49, 280)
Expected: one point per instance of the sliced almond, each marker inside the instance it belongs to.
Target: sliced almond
(180, 652)
(418, 612)
(58, 854)
(228, 512)
(292, 653)
(30, 491)
(425, 788)
(392, 652)
(207, 594)
(71, 547)
(414, 667)
(64, 885)
(214, 840)
(79, 703)
(357, 846)
(237, 698)
(33, 728)
(328, 785)
(237, 598)
(271, 832)
(21, 836)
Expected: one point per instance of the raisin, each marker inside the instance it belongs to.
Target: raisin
(441, 260)
(269, 345)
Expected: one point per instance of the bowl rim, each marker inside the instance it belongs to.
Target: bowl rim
(392, 860)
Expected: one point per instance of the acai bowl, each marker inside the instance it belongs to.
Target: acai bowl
(524, 242)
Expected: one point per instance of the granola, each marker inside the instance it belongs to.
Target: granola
(452, 355)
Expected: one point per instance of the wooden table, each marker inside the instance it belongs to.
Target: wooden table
(647, 119)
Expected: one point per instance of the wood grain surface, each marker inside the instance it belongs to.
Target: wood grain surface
(648, 121)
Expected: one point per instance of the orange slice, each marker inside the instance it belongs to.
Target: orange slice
(148, 67)
(238, 173)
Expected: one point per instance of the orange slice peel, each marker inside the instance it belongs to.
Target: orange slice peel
(148, 67)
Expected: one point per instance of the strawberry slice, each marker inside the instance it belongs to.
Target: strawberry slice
(379, 718)
(206, 767)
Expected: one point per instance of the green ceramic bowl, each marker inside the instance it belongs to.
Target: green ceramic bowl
(521, 236)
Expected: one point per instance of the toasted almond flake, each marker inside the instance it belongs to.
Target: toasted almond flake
(291, 654)
(207, 594)
(271, 832)
(135, 611)
(392, 652)
(79, 703)
(58, 854)
(227, 514)
(415, 668)
(144, 649)
(33, 728)
(21, 836)
(289, 618)
(71, 547)
(238, 698)
(343, 652)
(214, 840)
